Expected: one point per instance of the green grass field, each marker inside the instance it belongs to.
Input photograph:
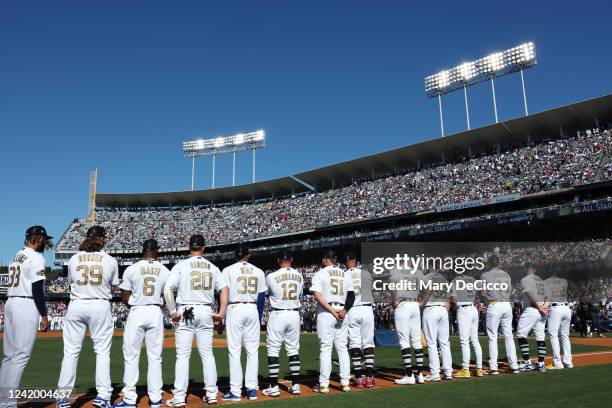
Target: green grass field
(559, 388)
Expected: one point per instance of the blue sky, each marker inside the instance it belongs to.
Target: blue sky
(118, 85)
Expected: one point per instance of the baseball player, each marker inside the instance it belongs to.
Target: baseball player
(532, 318)
(559, 321)
(499, 313)
(141, 289)
(22, 310)
(284, 288)
(463, 297)
(361, 323)
(196, 280)
(334, 293)
(408, 321)
(92, 274)
(247, 287)
(436, 326)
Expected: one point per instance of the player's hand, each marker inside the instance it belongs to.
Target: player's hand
(175, 317)
(217, 318)
(44, 324)
(544, 311)
(220, 328)
(340, 314)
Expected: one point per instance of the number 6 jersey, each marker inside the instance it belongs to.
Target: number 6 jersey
(196, 279)
(146, 280)
(91, 275)
(285, 287)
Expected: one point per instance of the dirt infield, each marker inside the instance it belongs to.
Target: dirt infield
(383, 380)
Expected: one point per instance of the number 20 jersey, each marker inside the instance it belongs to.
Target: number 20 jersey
(92, 275)
(285, 287)
(196, 279)
(245, 282)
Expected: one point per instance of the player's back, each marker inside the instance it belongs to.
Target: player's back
(439, 294)
(499, 285)
(534, 285)
(196, 279)
(146, 280)
(245, 282)
(557, 289)
(27, 267)
(285, 287)
(410, 284)
(462, 288)
(92, 275)
(362, 283)
(332, 283)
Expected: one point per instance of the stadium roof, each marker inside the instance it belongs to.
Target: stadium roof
(543, 125)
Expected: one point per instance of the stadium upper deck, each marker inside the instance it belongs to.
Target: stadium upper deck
(497, 163)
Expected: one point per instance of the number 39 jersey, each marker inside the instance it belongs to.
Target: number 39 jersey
(91, 275)
(285, 287)
(333, 283)
(196, 279)
(245, 282)
(27, 267)
(146, 280)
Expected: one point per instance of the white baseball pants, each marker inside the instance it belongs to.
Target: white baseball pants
(499, 315)
(436, 328)
(467, 321)
(408, 325)
(559, 322)
(82, 315)
(361, 327)
(531, 319)
(20, 326)
(200, 328)
(283, 326)
(243, 327)
(333, 333)
(144, 323)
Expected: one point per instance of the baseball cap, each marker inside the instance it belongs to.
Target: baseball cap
(197, 241)
(241, 251)
(284, 255)
(350, 256)
(150, 245)
(96, 231)
(530, 265)
(37, 230)
(329, 254)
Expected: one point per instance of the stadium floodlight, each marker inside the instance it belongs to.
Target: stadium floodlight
(224, 144)
(492, 66)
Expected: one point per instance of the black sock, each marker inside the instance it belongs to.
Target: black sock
(541, 351)
(294, 367)
(524, 345)
(356, 358)
(369, 361)
(407, 357)
(273, 368)
(418, 354)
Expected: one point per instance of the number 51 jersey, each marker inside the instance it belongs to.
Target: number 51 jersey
(285, 287)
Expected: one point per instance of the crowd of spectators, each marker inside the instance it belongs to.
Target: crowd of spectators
(580, 159)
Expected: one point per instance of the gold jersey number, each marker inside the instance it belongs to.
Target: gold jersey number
(337, 286)
(290, 291)
(90, 275)
(201, 280)
(249, 285)
(148, 286)
(15, 276)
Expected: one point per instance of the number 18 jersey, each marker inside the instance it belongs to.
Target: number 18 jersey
(285, 287)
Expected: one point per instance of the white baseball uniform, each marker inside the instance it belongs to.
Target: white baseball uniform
(245, 282)
(467, 318)
(361, 316)
(436, 326)
(91, 276)
(284, 288)
(146, 280)
(559, 320)
(196, 280)
(333, 285)
(499, 314)
(20, 319)
(407, 312)
(531, 319)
